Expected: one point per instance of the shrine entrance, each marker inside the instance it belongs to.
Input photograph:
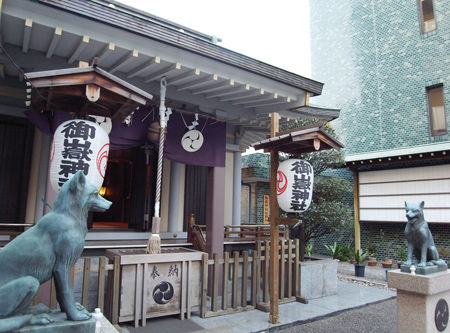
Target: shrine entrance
(129, 184)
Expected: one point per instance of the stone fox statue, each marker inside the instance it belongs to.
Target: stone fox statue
(49, 248)
(418, 235)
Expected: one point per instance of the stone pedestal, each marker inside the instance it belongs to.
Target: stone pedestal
(61, 325)
(422, 301)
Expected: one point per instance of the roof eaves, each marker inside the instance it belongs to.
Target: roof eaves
(151, 28)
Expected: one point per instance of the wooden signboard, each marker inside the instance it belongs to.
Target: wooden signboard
(266, 209)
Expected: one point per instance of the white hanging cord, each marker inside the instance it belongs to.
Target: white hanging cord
(195, 123)
(162, 123)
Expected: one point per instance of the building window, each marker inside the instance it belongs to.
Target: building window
(436, 109)
(427, 19)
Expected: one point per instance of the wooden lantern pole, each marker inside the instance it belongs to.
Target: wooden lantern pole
(274, 215)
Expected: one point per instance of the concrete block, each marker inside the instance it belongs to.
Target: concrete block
(318, 278)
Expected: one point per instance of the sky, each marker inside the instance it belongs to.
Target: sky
(276, 32)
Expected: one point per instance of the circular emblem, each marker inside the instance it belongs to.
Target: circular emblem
(163, 292)
(102, 159)
(441, 315)
(281, 182)
(192, 141)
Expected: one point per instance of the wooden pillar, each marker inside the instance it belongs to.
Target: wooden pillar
(274, 214)
(215, 211)
(356, 210)
(174, 199)
(34, 177)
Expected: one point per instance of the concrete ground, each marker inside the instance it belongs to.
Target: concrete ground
(361, 305)
(378, 317)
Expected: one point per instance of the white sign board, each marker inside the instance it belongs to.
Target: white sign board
(295, 179)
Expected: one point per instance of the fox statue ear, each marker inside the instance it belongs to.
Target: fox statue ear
(77, 181)
(422, 204)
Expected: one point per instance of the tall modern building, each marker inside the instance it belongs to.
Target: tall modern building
(387, 64)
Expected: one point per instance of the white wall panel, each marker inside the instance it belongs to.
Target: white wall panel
(398, 215)
(424, 173)
(398, 201)
(382, 194)
(411, 187)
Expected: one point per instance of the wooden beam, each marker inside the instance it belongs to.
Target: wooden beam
(274, 215)
(12, 92)
(259, 98)
(2, 71)
(27, 34)
(356, 210)
(183, 76)
(213, 87)
(110, 47)
(51, 48)
(242, 95)
(132, 55)
(143, 67)
(163, 71)
(229, 91)
(80, 48)
(277, 101)
(1, 35)
(199, 81)
(84, 78)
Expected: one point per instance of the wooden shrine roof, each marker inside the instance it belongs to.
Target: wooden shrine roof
(89, 90)
(300, 140)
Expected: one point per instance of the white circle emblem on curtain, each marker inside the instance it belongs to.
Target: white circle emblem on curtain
(192, 141)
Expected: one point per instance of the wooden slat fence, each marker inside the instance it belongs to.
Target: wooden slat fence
(237, 282)
(240, 281)
(90, 288)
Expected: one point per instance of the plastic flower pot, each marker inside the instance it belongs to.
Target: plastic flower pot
(359, 270)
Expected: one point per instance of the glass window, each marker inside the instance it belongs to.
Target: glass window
(428, 21)
(438, 122)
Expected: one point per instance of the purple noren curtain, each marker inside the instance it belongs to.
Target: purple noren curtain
(212, 152)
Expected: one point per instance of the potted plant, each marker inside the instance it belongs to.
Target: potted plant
(334, 250)
(371, 252)
(402, 256)
(360, 258)
(308, 250)
(387, 262)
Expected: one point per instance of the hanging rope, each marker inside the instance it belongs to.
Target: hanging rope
(154, 242)
(162, 136)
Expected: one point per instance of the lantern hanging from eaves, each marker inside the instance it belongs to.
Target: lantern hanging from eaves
(78, 145)
(295, 180)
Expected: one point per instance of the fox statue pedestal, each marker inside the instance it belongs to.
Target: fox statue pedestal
(422, 301)
(60, 324)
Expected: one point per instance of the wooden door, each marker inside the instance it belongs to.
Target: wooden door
(16, 144)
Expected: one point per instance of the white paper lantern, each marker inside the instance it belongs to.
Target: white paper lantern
(78, 145)
(295, 179)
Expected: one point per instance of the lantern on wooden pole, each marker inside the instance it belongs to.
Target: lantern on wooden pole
(154, 242)
(295, 179)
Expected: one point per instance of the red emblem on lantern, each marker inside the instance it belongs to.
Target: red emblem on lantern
(282, 182)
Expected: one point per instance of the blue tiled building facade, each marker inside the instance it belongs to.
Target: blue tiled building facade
(377, 63)
(386, 64)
